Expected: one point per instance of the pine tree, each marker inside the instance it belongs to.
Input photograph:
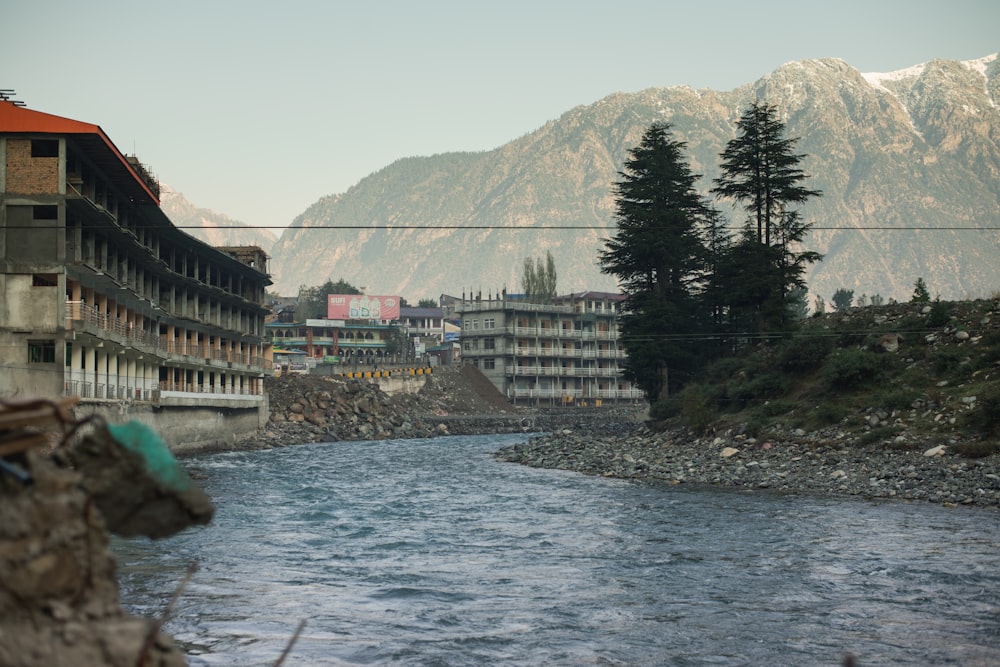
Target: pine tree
(659, 258)
(920, 293)
(761, 174)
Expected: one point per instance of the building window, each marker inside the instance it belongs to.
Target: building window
(489, 363)
(46, 212)
(489, 343)
(475, 343)
(474, 325)
(44, 148)
(489, 323)
(41, 351)
(44, 280)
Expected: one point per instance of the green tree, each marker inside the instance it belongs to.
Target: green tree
(842, 299)
(427, 303)
(659, 259)
(538, 279)
(312, 301)
(920, 293)
(761, 174)
(395, 340)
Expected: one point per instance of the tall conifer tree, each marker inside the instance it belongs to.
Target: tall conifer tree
(761, 173)
(659, 258)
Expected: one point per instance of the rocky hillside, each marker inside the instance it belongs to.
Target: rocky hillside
(206, 225)
(893, 154)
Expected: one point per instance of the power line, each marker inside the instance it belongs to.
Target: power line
(514, 228)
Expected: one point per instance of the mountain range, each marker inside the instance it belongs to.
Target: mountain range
(206, 225)
(908, 163)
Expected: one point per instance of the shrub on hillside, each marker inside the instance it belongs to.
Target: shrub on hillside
(939, 315)
(776, 408)
(825, 414)
(947, 361)
(802, 354)
(853, 369)
(664, 408)
(989, 349)
(748, 391)
(697, 408)
(897, 398)
(985, 417)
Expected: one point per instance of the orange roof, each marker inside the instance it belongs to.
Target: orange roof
(19, 120)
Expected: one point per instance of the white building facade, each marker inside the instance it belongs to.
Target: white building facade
(564, 353)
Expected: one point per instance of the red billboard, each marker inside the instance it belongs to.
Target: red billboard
(361, 307)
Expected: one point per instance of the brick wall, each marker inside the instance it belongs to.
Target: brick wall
(28, 175)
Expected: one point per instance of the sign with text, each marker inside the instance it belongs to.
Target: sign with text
(361, 307)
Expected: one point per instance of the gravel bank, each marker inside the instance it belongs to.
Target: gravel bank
(800, 463)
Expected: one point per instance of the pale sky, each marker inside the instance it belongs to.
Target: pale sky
(257, 109)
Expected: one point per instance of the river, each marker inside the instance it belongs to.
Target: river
(429, 552)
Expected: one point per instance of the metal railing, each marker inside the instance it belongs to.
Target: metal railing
(105, 391)
(216, 389)
(560, 394)
(90, 315)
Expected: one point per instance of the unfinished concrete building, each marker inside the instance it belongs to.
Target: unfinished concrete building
(101, 296)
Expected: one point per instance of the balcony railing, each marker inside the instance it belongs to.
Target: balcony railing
(216, 389)
(106, 391)
(91, 316)
(560, 394)
(573, 371)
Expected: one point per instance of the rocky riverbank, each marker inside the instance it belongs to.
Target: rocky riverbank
(451, 401)
(824, 462)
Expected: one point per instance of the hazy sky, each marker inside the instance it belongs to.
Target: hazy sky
(258, 109)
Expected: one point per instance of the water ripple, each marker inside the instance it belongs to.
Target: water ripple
(431, 553)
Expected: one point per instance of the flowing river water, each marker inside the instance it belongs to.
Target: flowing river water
(429, 552)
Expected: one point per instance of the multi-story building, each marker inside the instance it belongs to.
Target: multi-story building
(422, 323)
(560, 353)
(101, 296)
(333, 341)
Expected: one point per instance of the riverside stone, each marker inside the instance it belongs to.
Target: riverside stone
(681, 458)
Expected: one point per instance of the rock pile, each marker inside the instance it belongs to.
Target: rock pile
(453, 401)
(329, 409)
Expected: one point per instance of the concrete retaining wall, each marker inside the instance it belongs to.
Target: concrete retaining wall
(187, 430)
